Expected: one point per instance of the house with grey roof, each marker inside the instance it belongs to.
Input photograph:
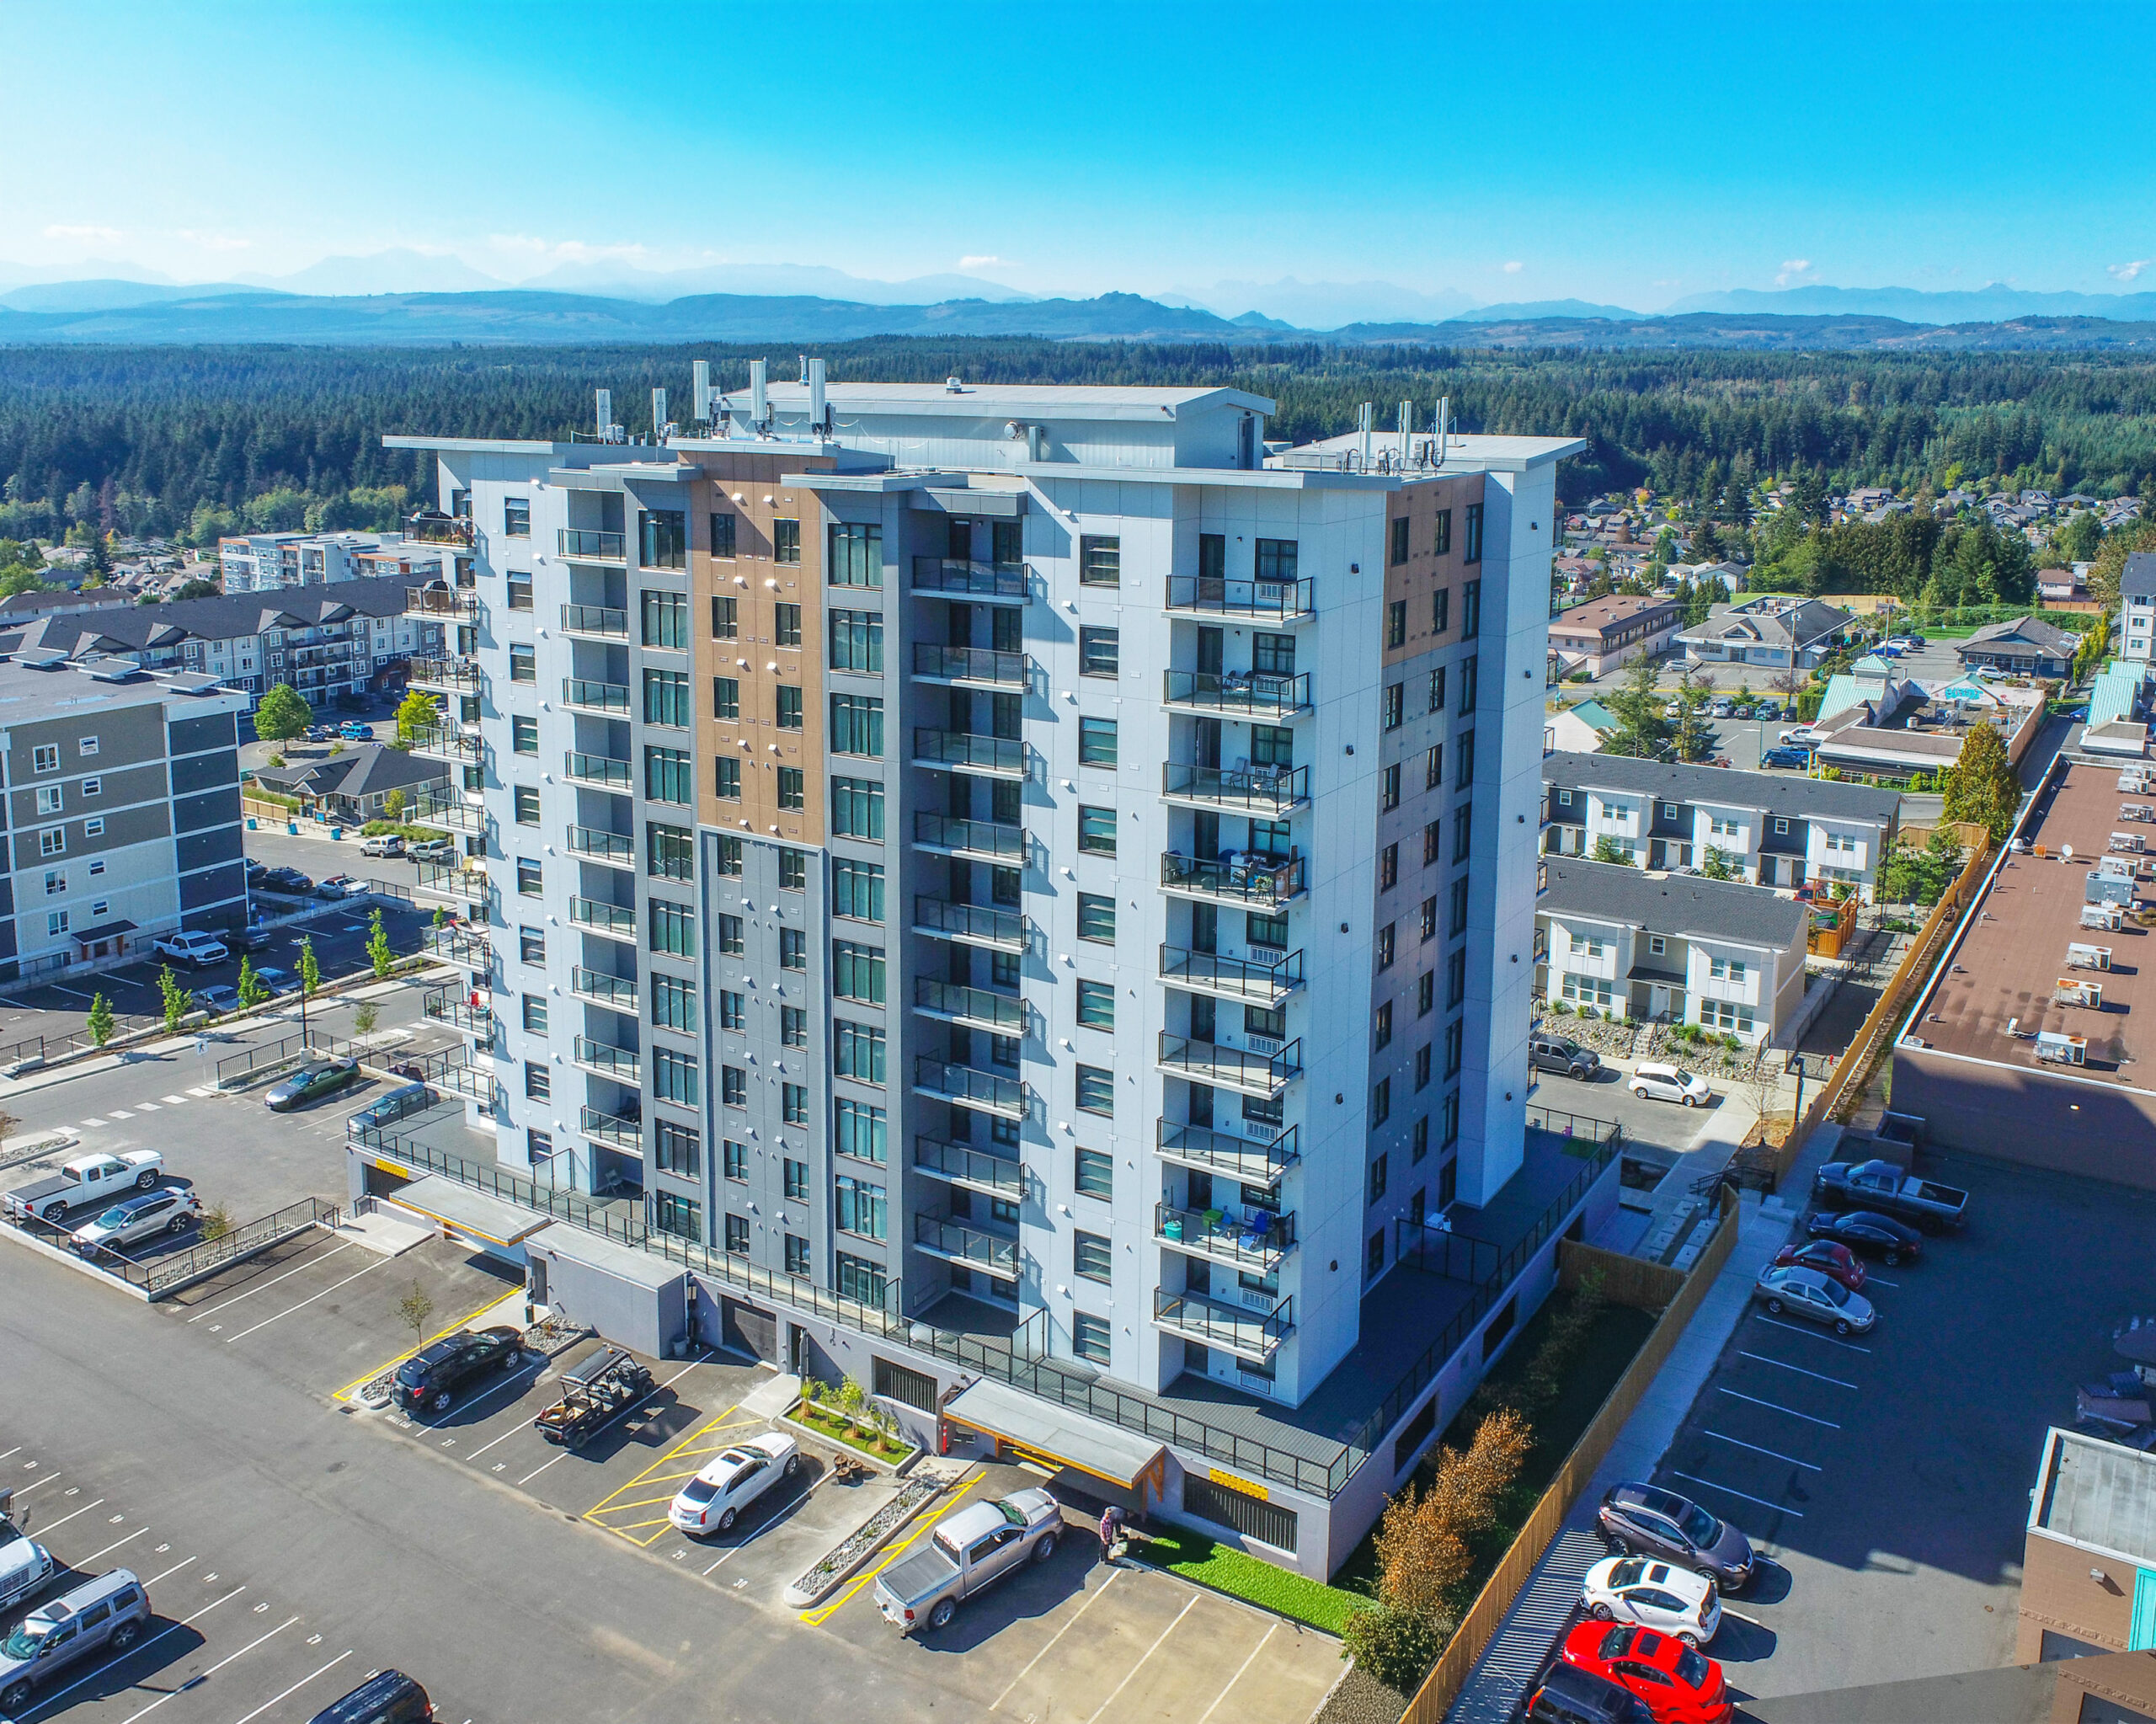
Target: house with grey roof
(1772, 629)
(353, 787)
(2025, 646)
(1772, 828)
(1674, 948)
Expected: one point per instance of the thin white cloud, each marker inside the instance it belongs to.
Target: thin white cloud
(2125, 272)
(1791, 268)
(214, 242)
(985, 263)
(567, 251)
(82, 230)
(1514, 267)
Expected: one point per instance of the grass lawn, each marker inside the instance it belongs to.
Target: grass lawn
(1196, 1557)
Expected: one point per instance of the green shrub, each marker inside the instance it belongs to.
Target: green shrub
(1397, 1647)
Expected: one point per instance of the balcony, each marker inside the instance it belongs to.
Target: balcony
(611, 919)
(971, 923)
(1244, 1069)
(583, 544)
(972, 667)
(965, 1086)
(618, 850)
(1254, 882)
(615, 993)
(439, 600)
(976, 840)
(1252, 1334)
(1244, 978)
(1254, 1161)
(430, 528)
(962, 1164)
(449, 812)
(602, 771)
(446, 742)
(620, 1064)
(1239, 694)
(608, 1129)
(957, 1242)
(588, 696)
(595, 620)
(444, 1006)
(1269, 791)
(1251, 1239)
(465, 947)
(453, 880)
(474, 1083)
(988, 583)
(457, 674)
(968, 751)
(976, 1008)
(1261, 601)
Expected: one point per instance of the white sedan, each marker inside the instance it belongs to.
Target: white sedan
(1670, 1083)
(713, 1500)
(1657, 1595)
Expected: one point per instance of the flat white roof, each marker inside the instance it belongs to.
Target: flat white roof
(988, 400)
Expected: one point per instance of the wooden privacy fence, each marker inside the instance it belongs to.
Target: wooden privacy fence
(1625, 1280)
(1486, 1615)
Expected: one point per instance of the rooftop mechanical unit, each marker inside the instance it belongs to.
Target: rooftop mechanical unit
(2062, 1049)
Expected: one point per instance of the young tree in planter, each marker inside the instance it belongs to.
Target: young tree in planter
(378, 947)
(310, 980)
(283, 715)
(392, 808)
(414, 1310)
(178, 1001)
(366, 1020)
(1718, 864)
(100, 1019)
(253, 991)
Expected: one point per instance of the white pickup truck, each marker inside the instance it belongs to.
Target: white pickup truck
(86, 1179)
(194, 949)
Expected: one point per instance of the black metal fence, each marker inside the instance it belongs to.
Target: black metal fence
(46, 1048)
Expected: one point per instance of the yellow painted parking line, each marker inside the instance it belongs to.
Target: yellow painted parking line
(487, 1310)
(642, 1502)
(823, 1613)
(638, 1525)
(645, 1476)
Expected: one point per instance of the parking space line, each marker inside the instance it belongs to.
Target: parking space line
(1114, 1575)
(823, 1613)
(645, 1501)
(384, 1370)
(147, 1107)
(1270, 1631)
(174, 1569)
(194, 1681)
(1817, 1335)
(1798, 1369)
(773, 1524)
(308, 1301)
(16, 1450)
(1772, 1407)
(645, 1476)
(175, 1101)
(25, 1490)
(119, 1113)
(541, 1467)
(1771, 1454)
(110, 1548)
(65, 1519)
(495, 1388)
(140, 1646)
(1879, 1281)
(267, 1285)
(498, 1441)
(1729, 1490)
(1142, 1657)
(296, 1687)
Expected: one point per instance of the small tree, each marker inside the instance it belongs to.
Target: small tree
(253, 990)
(1982, 786)
(178, 1001)
(310, 980)
(416, 713)
(1397, 1647)
(100, 1021)
(283, 714)
(217, 1222)
(1640, 729)
(378, 947)
(850, 1399)
(414, 1311)
(1422, 1556)
(1718, 864)
(392, 807)
(1609, 849)
(366, 1020)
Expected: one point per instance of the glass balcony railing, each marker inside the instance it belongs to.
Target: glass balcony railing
(969, 751)
(995, 1252)
(1254, 882)
(1248, 1334)
(611, 1129)
(611, 919)
(978, 841)
(977, 1008)
(951, 576)
(617, 992)
(444, 1006)
(967, 1087)
(620, 1064)
(439, 599)
(463, 946)
(616, 849)
(584, 545)
(1263, 600)
(453, 880)
(1251, 1161)
(971, 923)
(430, 528)
(595, 696)
(1251, 694)
(462, 674)
(1271, 791)
(972, 667)
(603, 771)
(595, 620)
(976, 1170)
(449, 811)
(1232, 978)
(1248, 1238)
(1243, 1069)
(445, 742)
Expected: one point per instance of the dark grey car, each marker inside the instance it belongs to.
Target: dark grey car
(1546, 1053)
(1659, 1523)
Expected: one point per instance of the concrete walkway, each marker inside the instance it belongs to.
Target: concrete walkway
(1515, 1657)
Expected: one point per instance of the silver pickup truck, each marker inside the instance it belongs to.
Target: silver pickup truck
(968, 1552)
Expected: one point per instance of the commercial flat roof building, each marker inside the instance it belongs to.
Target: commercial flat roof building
(263, 562)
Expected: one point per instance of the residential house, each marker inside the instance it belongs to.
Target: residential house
(1781, 633)
(353, 787)
(2025, 646)
(1603, 634)
(2060, 586)
(2137, 607)
(1578, 729)
(1774, 828)
(1672, 947)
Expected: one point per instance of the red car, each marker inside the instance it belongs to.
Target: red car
(1677, 1685)
(1835, 1261)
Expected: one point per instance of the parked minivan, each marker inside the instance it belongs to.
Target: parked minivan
(387, 1697)
(25, 1565)
(106, 1614)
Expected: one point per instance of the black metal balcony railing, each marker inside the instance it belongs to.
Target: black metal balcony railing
(977, 1008)
(610, 1129)
(1251, 1334)
(444, 1006)
(992, 1251)
(1241, 1069)
(595, 697)
(452, 879)
(1253, 1161)
(1250, 1239)
(617, 992)
(601, 769)
(953, 578)
(1254, 694)
(438, 600)
(445, 742)
(596, 619)
(983, 666)
(431, 529)
(620, 1064)
(447, 673)
(982, 840)
(609, 919)
(458, 945)
(1233, 883)
(1266, 790)
(971, 923)
(617, 849)
(969, 751)
(976, 1170)
(968, 1087)
(584, 545)
(449, 811)
(1232, 978)
(1269, 600)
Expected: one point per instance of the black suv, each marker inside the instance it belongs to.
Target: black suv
(387, 1697)
(1656, 1523)
(1546, 1053)
(1570, 1695)
(431, 1377)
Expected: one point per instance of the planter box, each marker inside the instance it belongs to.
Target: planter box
(901, 1465)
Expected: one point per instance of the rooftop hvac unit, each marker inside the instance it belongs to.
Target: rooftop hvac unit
(2081, 957)
(2106, 916)
(2134, 780)
(2069, 991)
(2132, 843)
(2137, 811)
(2062, 1049)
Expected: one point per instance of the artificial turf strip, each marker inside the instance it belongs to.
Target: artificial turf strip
(1225, 1569)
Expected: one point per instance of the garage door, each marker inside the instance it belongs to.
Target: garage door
(745, 1329)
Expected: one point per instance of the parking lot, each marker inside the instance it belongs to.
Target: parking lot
(1885, 1475)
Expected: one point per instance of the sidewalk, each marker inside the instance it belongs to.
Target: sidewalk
(1516, 1655)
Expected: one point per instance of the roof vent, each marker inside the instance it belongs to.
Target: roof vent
(954, 386)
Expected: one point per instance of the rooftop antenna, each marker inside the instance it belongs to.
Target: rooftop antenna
(804, 371)
(819, 413)
(1368, 410)
(605, 412)
(760, 397)
(659, 415)
(1407, 434)
(700, 391)
(1444, 427)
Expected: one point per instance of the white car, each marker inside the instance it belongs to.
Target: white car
(194, 949)
(170, 1209)
(1902, 643)
(1670, 1083)
(382, 844)
(712, 1500)
(1797, 735)
(1657, 1595)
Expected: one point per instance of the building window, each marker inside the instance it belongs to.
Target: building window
(523, 663)
(1093, 1257)
(797, 1255)
(858, 972)
(862, 1131)
(1463, 827)
(858, 642)
(524, 735)
(1381, 1103)
(1097, 742)
(1390, 781)
(1389, 868)
(735, 1160)
(857, 725)
(532, 945)
(794, 1026)
(862, 1207)
(722, 534)
(1471, 551)
(1455, 1046)
(1426, 919)
(538, 1082)
(1097, 1005)
(49, 798)
(1096, 830)
(731, 942)
(793, 949)
(1277, 559)
(668, 775)
(666, 621)
(1091, 1339)
(733, 1011)
(725, 617)
(56, 881)
(57, 922)
(795, 1176)
(1437, 689)
(519, 592)
(674, 1077)
(726, 698)
(1396, 623)
(862, 1281)
(46, 758)
(1379, 1177)
(858, 1052)
(52, 842)
(673, 1004)
(669, 852)
(666, 698)
(664, 539)
(1458, 925)
(1398, 554)
(785, 625)
(792, 790)
(737, 1235)
(1096, 1089)
(1442, 545)
(857, 808)
(1096, 918)
(1725, 970)
(1395, 705)
(673, 929)
(677, 1148)
(1385, 947)
(730, 857)
(857, 556)
(1100, 652)
(535, 1014)
(1381, 1027)
(1100, 561)
(857, 889)
(1095, 1174)
(94, 827)
(732, 1087)
(1462, 761)
(1587, 991)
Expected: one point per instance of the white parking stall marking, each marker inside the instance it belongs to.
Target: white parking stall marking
(536, 1471)
(1142, 1657)
(267, 1284)
(202, 1089)
(174, 1101)
(297, 1686)
(515, 1379)
(1879, 1281)
(173, 1570)
(139, 1647)
(1815, 1335)
(1772, 1407)
(119, 1113)
(1245, 1664)
(1785, 1364)
(12, 1453)
(773, 1524)
(113, 1546)
(25, 1490)
(145, 1108)
(1729, 1490)
(306, 1302)
(88, 1124)
(498, 1441)
(196, 1681)
(64, 1518)
(1771, 1454)
(1059, 1633)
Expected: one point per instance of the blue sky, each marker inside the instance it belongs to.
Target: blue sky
(1626, 154)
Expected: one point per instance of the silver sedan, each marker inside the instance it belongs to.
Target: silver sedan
(1807, 1293)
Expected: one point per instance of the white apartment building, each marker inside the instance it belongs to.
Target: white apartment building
(2137, 607)
(1773, 828)
(263, 562)
(1026, 900)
